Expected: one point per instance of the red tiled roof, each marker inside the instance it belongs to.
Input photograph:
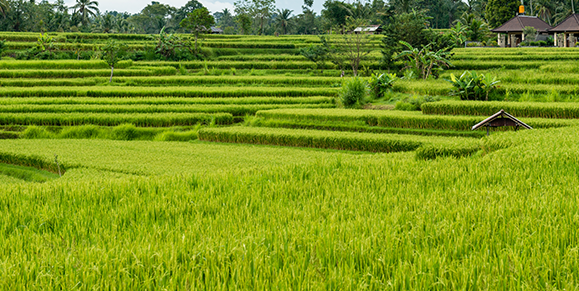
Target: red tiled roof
(571, 23)
(517, 23)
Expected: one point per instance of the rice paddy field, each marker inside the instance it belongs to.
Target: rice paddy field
(241, 172)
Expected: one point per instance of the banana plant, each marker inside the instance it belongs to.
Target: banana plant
(424, 61)
(472, 86)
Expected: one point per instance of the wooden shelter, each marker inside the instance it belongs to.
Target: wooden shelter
(370, 29)
(216, 30)
(567, 31)
(499, 119)
(514, 29)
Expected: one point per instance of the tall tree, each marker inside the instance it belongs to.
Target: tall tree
(336, 13)
(112, 54)
(182, 12)
(199, 21)
(500, 11)
(86, 8)
(226, 19)
(283, 18)
(259, 9)
(244, 22)
(153, 18)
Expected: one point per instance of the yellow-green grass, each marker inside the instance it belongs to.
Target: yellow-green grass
(237, 110)
(77, 73)
(506, 220)
(120, 132)
(519, 109)
(356, 126)
(155, 158)
(240, 81)
(400, 119)
(353, 141)
(164, 101)
(111, 119)
(4, 179)
(26, 173)
(442, 87)
(217, 92)
(60, 64)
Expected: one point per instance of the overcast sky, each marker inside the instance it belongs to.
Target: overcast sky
(134, 6)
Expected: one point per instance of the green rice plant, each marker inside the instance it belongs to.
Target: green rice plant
(217, 92)
(325, 139)
(61, 73)
(355, 127)
(526, 109)
(61, 65)
(308, 138)
(343, 219)
(236, 110)
(398, 119)
(165, 101)
(138, 119)
(176, 136)
(9, 134)
(36, 132)
(27, 173)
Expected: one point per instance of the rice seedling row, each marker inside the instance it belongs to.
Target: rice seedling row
(352, 141)
(398, 119)
(236, 110)
(164, 101)
(526, 109)
(108, 119)
(216, 92)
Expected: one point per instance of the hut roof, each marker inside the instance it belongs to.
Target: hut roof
(369, 28)
(517, 23)
(501, 114)
(216, 30)
(571, 23)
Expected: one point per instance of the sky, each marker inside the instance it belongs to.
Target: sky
(134, 6)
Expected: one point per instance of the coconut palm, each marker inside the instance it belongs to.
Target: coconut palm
(86, 8)
(283, 18)
(4, 7)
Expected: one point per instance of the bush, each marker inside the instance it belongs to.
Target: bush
(353, 92)
(414, 102)
(472, 86)
(380, 84)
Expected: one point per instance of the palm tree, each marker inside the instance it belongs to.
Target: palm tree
(283, 17)
(4, 7)
(86, 8)
(545, 10)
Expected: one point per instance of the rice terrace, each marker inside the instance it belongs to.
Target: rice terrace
(276, 149)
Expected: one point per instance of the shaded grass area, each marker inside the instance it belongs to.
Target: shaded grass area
(156, 158)
(28, 174)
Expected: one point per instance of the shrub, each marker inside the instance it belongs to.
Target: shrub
(472, 86)
(414, 102)
(380, 84)
(353, 92)
(125, 131)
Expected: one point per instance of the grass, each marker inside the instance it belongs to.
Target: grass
(26, 173)
(495, 213)
(156, 158)
(376, 221)
(352, 141)
(112, 119)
